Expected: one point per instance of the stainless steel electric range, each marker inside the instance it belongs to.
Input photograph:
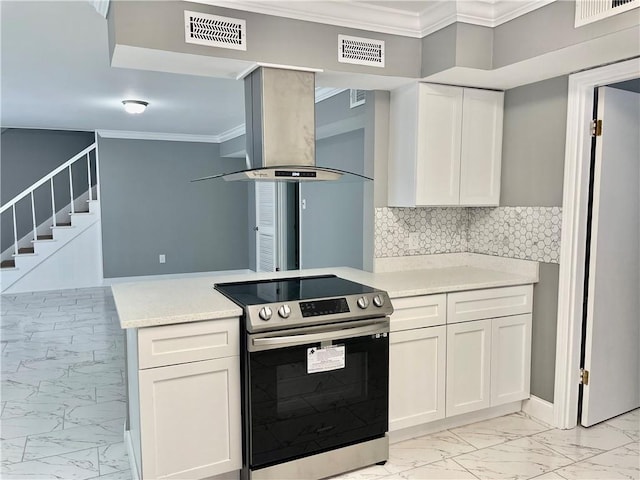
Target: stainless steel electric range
(315, 376)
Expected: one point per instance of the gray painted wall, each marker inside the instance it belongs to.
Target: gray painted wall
(150, 207)
(332, 223)
(533, 147)
(551, 28)
(534, 136)
(28, 155)
(269, 38)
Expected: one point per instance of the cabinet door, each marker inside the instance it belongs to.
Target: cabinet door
(510, 359)
(190, 419)
(438, 150)
(468, 366)
(416, 376)
(481, 151)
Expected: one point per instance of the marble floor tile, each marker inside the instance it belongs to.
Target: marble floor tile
(37, 423)
(108, 393)
(78, 465)
(446, 469)
(30, 407)
(428, 449)
(517, 459)
(499, 430)
(66, 398)
(113, 458)
(11, 450)
(580, 443)
(549, 476)
(12, 390)
(95, 414)
(121, 475)
(629, 423)
(620, 463)
(73, 439)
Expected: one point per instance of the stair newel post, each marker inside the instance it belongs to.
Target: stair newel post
(15, 230)
(89, 175)
(71, 189)
(53, 204)
(33, 217)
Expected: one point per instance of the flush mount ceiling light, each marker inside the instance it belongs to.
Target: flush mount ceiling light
(134, 106)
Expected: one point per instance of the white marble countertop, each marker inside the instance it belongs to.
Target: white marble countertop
(165, 302)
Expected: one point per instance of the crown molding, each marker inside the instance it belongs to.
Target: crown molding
(232, 133)
(171, 137)
(322, 93)
(383, 19)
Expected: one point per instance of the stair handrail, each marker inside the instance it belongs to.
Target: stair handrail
(48, 177)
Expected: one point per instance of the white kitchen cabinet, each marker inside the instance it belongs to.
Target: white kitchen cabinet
(468, 367)
(416, 376)
(189, 419)
(510, 358)
(417, 356)
(445, 146)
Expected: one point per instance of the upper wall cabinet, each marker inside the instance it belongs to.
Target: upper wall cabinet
(445, 146)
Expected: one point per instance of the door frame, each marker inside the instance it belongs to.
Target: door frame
(574, 228)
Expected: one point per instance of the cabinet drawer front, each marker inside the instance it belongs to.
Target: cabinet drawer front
(187, 342)
(494, 302)
(418, 312)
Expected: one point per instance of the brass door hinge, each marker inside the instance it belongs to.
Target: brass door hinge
(584, 377)
(596, 128)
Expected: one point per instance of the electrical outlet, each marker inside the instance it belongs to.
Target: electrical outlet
(162, 258)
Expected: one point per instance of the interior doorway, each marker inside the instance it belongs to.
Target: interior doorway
(574, 226)
(610, 358)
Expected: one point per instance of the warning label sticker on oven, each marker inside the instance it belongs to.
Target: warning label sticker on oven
(325, 359)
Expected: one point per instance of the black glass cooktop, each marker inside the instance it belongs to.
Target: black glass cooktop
(290, 289)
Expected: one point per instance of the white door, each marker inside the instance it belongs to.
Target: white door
(266, 248)
(613, 295)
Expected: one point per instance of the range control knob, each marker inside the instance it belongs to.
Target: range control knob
(363, 302)
(284, 311)
(265, 313)
(378, 300)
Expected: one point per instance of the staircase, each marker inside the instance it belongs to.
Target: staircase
(63, 249)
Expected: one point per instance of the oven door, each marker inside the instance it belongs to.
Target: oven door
(314, 389)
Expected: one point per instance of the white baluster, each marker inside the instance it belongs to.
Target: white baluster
(53, 204)
(71, 189)
(15, 230)
(33, 217)
(89, 175)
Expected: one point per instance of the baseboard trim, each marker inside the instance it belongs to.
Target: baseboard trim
(453, 422)
(539, 409)
(132, 459)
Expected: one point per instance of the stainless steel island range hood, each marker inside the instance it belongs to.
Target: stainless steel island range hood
(280, 129)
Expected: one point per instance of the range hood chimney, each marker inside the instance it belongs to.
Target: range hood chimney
(280, 128)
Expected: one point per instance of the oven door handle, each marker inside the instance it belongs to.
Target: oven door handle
(269, 343)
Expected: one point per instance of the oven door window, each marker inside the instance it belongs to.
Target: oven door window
(295, 413)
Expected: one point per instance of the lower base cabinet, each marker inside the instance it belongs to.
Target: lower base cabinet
(468, 366)
(190, 419)
(416, 376)
(488, 363)
(510, 358)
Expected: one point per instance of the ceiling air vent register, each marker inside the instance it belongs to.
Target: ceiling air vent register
(356, 98)
(214, 30)
(594, 10)
(360, 51)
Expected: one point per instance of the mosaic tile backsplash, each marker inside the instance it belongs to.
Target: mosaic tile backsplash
(530, 233)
